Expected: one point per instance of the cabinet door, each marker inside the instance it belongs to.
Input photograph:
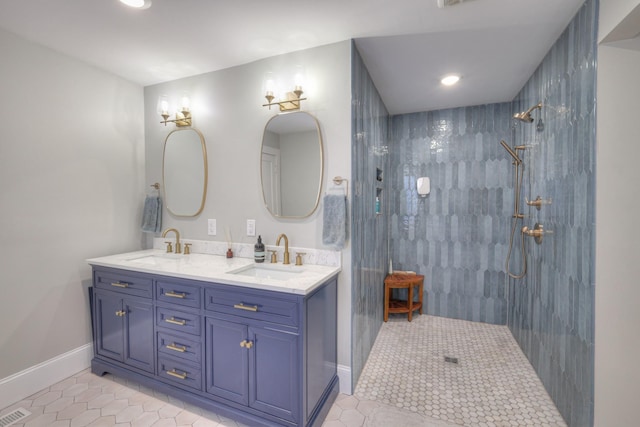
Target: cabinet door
(274, 376)
(227, 360)
(138, 334)
(109, 325)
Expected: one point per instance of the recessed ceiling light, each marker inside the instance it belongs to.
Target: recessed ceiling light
(138, 4)
(450, 80)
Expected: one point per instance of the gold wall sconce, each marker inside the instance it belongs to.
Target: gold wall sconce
(183, 115)
(291, 100)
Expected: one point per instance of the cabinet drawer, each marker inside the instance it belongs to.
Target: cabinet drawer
(179, 347)
(253, 305)
(178, 320)
(178, 293)
(180, 373)
(124, 282)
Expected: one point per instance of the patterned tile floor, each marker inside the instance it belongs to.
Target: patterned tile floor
(405, 383)
(493, 383)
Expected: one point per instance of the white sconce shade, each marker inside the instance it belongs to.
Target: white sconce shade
(298, 78)
(185, 103)
(163, 105)
(424, 186)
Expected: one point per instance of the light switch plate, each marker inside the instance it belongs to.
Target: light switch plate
(251, 227)
(211, 227)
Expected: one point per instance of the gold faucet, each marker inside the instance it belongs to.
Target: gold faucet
(286, 247)
(178, 248)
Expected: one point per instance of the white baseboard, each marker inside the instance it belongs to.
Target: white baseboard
(30, 381)
(23, 384)
(344, 375)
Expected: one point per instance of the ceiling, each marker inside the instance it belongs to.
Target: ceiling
(407, 45)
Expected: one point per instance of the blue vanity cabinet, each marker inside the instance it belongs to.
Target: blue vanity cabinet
(179, 331)
(124, 325)
(253, 366)
(264, 358)
(253, 348)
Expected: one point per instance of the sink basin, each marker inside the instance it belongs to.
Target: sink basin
(156, 259)
(267, 272)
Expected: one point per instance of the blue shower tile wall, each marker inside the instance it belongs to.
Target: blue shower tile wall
(457, 236)
(369, 231)
(551, 311)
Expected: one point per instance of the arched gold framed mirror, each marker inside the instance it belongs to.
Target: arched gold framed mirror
(292, 164)
(184, 172)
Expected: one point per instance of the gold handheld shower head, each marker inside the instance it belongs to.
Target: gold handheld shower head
(513, 154)
(525, 116)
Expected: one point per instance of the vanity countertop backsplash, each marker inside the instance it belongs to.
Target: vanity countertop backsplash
(207, 262)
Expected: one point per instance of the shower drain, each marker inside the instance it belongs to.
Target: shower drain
(450, 359)
(13, 417)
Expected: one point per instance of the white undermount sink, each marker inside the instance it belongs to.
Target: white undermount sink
(267, 272)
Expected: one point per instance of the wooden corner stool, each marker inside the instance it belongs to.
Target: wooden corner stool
(402, 281)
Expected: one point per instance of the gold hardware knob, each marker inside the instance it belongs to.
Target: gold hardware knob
(243, 343)
(120, 313)
(179, 348)
(187, 248)
(180, 322)
(274, 257)
(173, 294)
(249, 344)
(241, 306)
(120, 284)
(173, 373)
(169, 247)
(299, 257)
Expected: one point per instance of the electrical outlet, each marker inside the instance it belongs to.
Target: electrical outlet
(211, 227)
(251, 227)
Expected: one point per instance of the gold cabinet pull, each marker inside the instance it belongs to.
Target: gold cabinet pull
(120, 284)
(246, 344)
(120, 313)
(173, 373)
(241, 306)
(180, 322)
(175, 347)
(175, 294)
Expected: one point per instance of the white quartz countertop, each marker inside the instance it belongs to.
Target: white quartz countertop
(290, 278)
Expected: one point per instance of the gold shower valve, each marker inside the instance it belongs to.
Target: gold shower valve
(537, 233)
(538, 202)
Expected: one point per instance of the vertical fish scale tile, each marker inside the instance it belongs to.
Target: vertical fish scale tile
(550, 315)
(371, 132)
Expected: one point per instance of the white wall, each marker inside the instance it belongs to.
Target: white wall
(617, 351)
(71, 176)
(612, 13)
(227, 108)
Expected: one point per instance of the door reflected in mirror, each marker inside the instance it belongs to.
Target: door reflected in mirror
(292, 165)
(184, 172)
